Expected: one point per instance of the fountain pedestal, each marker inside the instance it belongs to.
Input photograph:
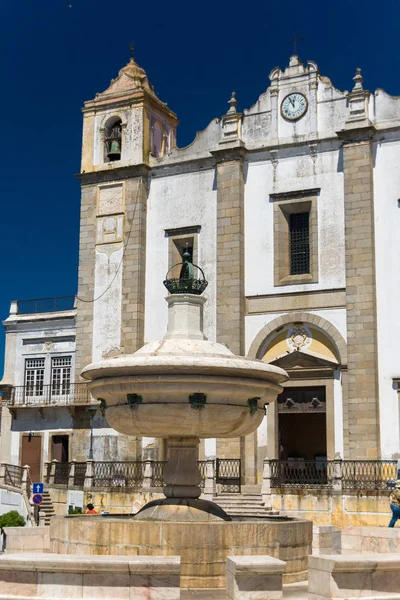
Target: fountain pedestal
(181, 475)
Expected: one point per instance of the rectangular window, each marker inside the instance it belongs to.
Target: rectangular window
(299, 243)
(295, 237)
(34, 376)
(61, 375)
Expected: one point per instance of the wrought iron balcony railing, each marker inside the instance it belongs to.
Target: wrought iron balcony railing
(50, 395)
(350, 475)
(45, 305)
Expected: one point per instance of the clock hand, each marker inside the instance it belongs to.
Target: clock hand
(291, 102)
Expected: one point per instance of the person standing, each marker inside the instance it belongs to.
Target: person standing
(394, 500)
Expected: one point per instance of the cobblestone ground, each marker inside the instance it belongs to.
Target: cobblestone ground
(294, 591)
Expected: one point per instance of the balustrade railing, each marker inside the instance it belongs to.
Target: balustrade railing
(344, 474)
(13, 475)
(202, 467)
(79, 474)
(50, 395)
(157, 476)
(368, 474)
(61, 473)
(118, 474)
(45, 305)
(301, 473)
(339, 475)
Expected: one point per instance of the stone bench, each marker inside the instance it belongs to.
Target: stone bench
(326, 540)
(356, 540)
(349, 577)
(254, 577)
(58, 576)
(27, 539)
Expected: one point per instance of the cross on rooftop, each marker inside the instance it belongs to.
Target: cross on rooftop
(294, 42)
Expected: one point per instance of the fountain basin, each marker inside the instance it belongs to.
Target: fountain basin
(165, 409)
(202, 546)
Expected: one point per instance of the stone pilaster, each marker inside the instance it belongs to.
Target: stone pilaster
(134, 265)
(230, 265)
(362, 410)
(87, 244)
(230, 249)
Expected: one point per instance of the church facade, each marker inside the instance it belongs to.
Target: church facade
(292, 210)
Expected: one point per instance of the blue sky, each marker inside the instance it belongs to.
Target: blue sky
(56, 54)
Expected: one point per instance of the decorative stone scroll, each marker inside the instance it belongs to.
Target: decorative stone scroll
(301, 404)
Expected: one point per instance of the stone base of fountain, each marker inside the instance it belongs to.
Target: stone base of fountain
(202, 546)
(182, 510)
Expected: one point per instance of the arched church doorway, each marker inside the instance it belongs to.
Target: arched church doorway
(301, 424)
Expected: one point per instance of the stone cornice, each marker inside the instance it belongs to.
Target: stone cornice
(356, 133)
(234, 151)
(115, 174)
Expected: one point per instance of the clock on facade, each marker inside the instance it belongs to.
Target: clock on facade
(294, 106)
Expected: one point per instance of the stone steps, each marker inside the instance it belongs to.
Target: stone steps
(47, 507)
(237, 505)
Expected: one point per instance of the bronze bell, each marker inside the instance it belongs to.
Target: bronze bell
(114, 152)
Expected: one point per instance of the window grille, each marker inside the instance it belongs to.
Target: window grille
(299, 243)
(34, 376)
(61, 375)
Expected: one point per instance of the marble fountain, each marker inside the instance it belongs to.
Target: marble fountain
(184, 388)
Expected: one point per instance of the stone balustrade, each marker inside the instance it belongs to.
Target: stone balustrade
(50, 576)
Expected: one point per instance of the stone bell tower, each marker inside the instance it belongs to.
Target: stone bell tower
(122, 127)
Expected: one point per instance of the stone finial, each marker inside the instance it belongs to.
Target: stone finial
(358, 81)
(233, 104)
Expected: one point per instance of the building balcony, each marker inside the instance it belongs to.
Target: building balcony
(42, 305)
(40, 396)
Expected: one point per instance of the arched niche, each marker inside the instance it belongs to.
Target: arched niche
(314, 354)
(263, 338)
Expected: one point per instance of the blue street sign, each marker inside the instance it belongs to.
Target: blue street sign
(38, 488)
(37, 499)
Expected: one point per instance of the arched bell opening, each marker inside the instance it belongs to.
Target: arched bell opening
(305, 425)
(113, 140)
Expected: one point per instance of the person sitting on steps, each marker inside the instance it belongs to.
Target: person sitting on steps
(90, 509)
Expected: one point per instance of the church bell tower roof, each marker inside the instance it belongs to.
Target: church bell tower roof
(130, 78)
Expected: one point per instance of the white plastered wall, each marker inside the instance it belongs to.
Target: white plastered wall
(179, 201)
(387, 256)
(291, 174)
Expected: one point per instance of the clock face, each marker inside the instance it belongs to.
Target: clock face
(294, 106)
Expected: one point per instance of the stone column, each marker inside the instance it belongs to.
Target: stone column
(71, 474)
(209, 486)
(89, 475)
(148, 475)
(266, 484)
(52, 471)
(362, 380)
